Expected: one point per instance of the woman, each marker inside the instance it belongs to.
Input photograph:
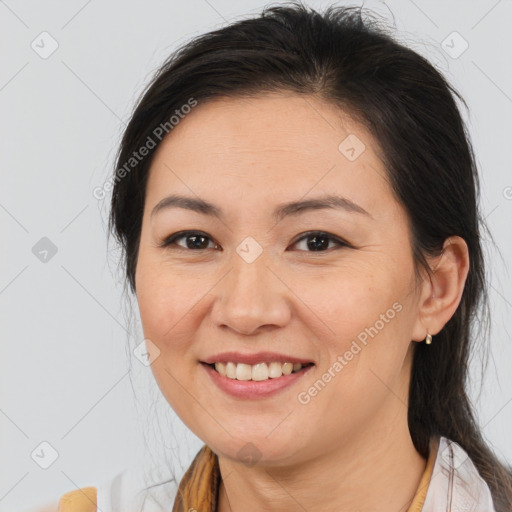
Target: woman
(296, 198)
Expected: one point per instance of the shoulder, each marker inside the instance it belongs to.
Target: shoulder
(137, 488)
(79, 500)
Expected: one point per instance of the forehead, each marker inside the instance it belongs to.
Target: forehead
(274, 146)
(303, 125)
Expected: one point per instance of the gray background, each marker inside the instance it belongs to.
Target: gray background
(67, 371)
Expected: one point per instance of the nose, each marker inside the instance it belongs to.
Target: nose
(251, 298)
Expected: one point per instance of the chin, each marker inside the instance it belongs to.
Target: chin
(256, 447)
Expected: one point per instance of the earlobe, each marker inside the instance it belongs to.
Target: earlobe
(442, 288)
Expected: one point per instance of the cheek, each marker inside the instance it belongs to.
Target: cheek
(348, 298)
(166, 299)
(362, 319)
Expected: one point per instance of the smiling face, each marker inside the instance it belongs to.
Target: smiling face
(253, 277)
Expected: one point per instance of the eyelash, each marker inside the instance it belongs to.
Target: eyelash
(171, 240)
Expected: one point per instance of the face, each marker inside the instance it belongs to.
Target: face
(252, 283)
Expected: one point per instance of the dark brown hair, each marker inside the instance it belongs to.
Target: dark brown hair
(411, 110)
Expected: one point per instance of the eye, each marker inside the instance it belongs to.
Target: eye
(319, 241)
(194, 240)
(197, 240)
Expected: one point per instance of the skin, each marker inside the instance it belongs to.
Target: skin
(349, 448)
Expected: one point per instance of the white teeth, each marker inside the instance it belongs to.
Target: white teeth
(275, 370)
(260, 372)
(287, 368)
(257, 372)
(243, 371)
(231, 370)
(221, 368)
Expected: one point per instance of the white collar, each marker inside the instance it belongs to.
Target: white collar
(455, 484)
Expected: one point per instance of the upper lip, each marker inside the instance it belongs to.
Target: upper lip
(258, 357)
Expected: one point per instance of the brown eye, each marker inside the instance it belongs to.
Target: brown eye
(194, 240)
(318, 241)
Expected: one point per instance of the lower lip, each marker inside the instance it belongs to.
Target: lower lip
(251, 389)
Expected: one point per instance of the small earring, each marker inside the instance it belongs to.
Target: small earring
(428, 339)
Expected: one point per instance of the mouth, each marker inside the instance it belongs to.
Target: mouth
(257, 372)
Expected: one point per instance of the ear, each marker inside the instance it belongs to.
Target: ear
(442, 290)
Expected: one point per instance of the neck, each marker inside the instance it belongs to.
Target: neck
(379, 469)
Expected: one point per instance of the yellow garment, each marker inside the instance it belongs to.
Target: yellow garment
(421, 492)
(81, 500)
(199, 487)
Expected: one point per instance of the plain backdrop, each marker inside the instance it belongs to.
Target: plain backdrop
(69, 76)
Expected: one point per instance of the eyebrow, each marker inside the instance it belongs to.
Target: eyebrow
(280, 212)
